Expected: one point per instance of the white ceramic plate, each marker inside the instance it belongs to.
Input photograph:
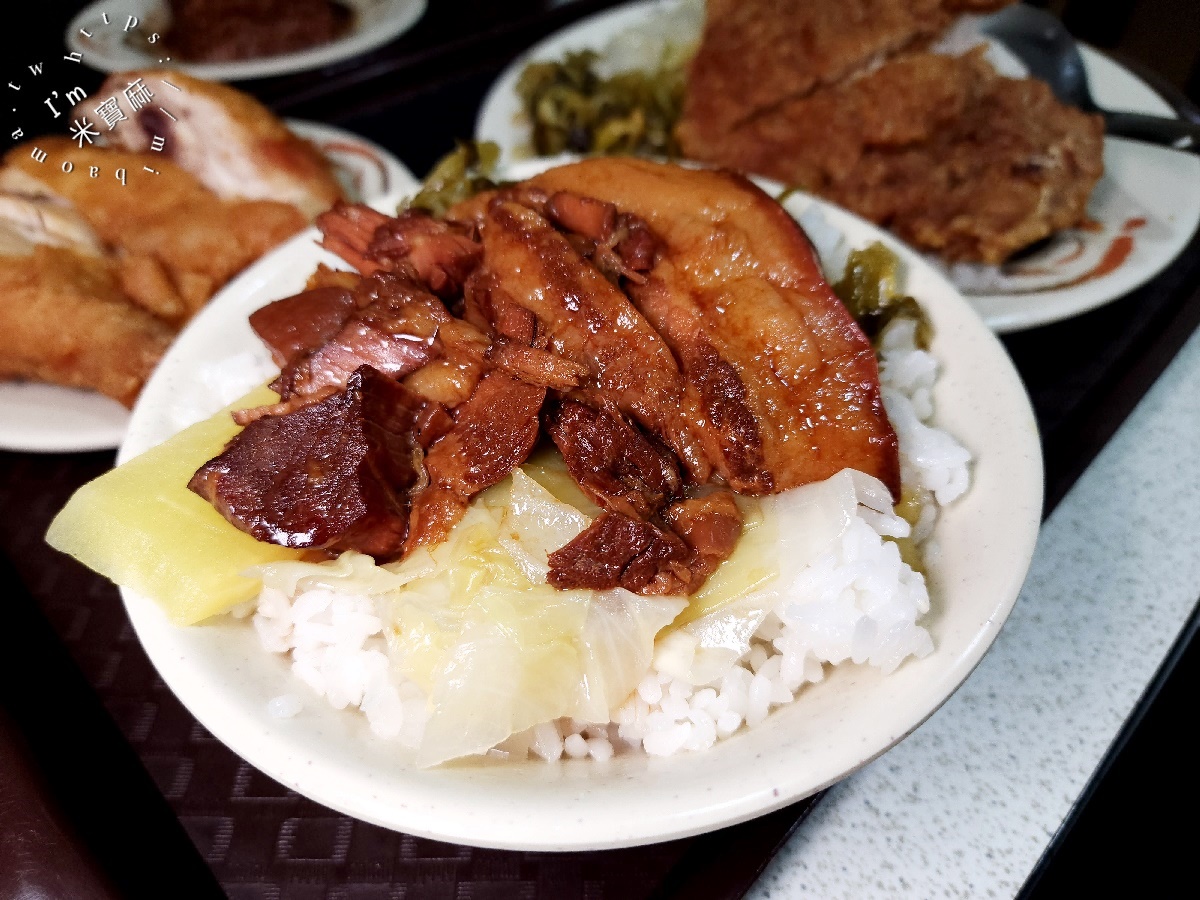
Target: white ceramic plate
(112, 48)
(1146, 206)
(225, 679)
(45, 418)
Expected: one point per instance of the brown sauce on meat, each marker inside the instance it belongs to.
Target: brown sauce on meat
(676, 343)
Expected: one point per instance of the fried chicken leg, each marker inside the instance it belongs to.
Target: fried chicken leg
(65, 320)
(176, 241)
(232, 143)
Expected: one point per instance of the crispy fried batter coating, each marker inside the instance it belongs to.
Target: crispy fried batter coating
(178, 243)
(942, 150)
(110, 345)
(105, 252)
(754, 55)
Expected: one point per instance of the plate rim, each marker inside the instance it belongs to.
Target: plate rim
(406, 14)
(423, 810)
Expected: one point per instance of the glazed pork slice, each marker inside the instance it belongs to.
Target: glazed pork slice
(438, 254)
(617, 550)
(428, 355)
(614, 463)
(710, 525)
(788, 383)
(588, 320)
(333, 475)
(300, 324)
(671, 556)
(494, 431)
(395, 326)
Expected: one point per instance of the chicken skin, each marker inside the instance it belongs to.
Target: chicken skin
(228, 140)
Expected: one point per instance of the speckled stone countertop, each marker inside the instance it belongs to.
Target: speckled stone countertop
(966, 805)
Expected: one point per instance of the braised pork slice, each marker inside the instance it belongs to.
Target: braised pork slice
(332, 475)
(487, 306)
(620, 468)
(438, 254)
(588, 320)
(618, 551)
(535, 366)
(676, 319)
(494, 432)
(347, 230)
(396, 327)
(710, 526)
(300, 324)
(788, 385)
(674, 555)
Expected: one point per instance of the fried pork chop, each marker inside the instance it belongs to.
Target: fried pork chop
(755, 55)
(849, 105)
(64, 317)
(107, 251)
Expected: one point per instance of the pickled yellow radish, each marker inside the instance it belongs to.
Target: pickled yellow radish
(139, 526)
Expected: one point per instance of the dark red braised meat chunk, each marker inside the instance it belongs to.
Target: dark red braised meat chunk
(333, 475)
(617, 551)
(616, 464)
(436, 254)
(533, 312)
(493, 433)
(300, 324)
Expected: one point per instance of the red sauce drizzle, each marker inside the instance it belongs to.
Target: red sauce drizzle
(1118, 251)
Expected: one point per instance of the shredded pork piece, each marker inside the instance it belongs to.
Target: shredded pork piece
(668, 329)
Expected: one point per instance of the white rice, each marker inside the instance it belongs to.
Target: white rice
(856, 601)
(667, 37)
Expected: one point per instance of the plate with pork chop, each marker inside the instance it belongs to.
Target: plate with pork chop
(1045, 220)
(672, 333)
